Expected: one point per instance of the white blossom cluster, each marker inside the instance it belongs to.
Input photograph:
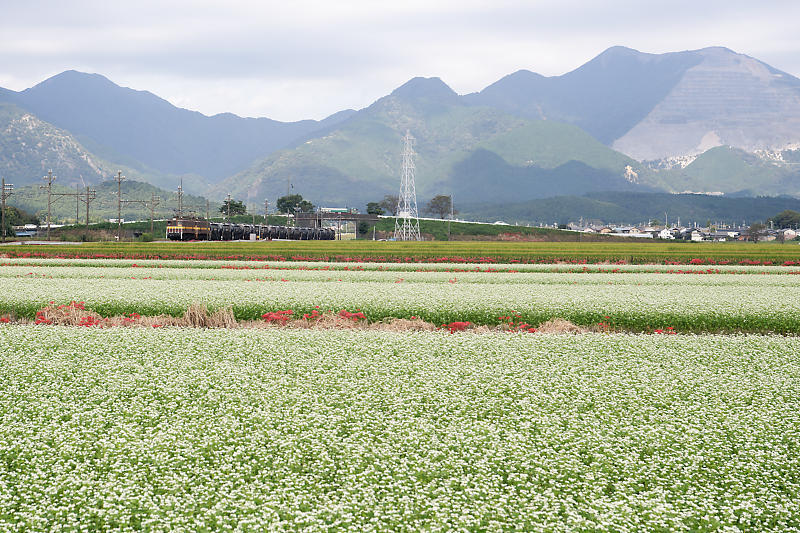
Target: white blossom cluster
(181, 272)
(709, 302)
(199, 430)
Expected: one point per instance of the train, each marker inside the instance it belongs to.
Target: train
(200, 229)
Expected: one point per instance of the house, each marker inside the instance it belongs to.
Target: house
(625, 229)
(665, 234)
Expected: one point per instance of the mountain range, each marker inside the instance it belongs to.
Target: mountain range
(709, 120)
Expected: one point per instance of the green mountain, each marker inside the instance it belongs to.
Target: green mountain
(732, 171)
(701, 120)
(29, 147)
(657, 106)
(606, 97)
(144, 132)
(467, 151)
(634, 208)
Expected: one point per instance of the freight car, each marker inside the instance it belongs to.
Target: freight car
(184, 229)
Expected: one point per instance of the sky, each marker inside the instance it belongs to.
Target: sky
(299, 59)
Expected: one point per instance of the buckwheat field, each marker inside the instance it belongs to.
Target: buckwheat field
(386, 396)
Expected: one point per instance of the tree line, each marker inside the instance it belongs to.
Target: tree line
(440, 205)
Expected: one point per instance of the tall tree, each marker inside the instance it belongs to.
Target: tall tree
(233, 207)
(375, 208)
(441, 205)
(389, 203)
(17, 217)
(287, 204)
(786, 219)
(756, 230)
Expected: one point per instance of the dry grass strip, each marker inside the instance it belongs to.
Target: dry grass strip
(197, 315)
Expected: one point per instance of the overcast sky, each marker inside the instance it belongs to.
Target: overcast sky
(291, 59)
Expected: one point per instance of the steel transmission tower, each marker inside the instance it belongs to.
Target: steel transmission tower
(5, 192)
(406, 225)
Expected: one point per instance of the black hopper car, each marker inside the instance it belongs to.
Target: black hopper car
(199, 229)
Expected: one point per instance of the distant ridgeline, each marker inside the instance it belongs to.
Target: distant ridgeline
(635, 208)
(709, 120)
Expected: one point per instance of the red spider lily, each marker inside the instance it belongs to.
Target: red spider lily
(456, 326)
(668, 331)
(90, 321)
(352, 316)
(278, 316)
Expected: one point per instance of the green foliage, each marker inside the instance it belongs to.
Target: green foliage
(755, 231)
(233, 207)
(292, 203)
(786, 219)
(374, 208)
(16, 217)
(548, 144)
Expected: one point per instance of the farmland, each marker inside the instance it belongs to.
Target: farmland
(215, 429)
(275, 427)
(635, 298)
(487, 252)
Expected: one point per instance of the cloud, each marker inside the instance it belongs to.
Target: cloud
(307, 59)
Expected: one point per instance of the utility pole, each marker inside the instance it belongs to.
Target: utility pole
(119, 179)
(154, 201)
(266, 210)
(451, 216)
(5, 192)
(180, 199)
(49, 179)
(208, 207)
(228, 208)
(91, 194)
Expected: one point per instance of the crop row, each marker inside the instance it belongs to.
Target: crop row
(304, 430)
(482, 252)
(637, 302)
(578, 268)
(530, 277)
